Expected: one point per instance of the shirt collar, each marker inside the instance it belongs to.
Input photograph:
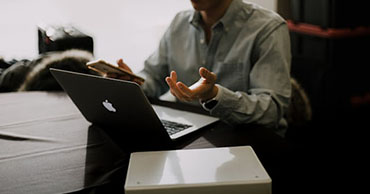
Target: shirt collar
(195, 19)
(234, 8)
(226, 20)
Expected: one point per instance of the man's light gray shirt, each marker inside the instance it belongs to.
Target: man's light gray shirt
(249, 52)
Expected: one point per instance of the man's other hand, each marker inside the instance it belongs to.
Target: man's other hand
(203, 90)
(123, 65)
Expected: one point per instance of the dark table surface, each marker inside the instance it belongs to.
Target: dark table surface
(46, 146)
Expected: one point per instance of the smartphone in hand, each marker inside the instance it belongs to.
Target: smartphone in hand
(104, 67)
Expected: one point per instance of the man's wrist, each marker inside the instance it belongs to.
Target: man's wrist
(212, 94)
(211, 102)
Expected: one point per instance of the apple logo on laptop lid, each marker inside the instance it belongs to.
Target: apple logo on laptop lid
(109, 106)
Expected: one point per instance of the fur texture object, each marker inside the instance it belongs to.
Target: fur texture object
(35, 75)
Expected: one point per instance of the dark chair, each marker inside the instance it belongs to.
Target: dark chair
(299, 114)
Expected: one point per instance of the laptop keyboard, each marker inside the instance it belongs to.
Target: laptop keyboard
(173, 127)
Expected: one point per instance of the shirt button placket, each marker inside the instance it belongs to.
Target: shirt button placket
(203, 62)
(204, 51)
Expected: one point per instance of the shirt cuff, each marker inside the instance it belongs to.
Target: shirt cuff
(219, 93)
(216, 98)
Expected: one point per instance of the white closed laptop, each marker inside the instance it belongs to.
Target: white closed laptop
(228, 170)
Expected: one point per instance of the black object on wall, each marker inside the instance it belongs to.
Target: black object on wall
(61, 38)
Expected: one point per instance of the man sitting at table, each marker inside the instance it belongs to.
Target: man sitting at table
(240, 51)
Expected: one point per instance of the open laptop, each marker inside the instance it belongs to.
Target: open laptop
(121, 109)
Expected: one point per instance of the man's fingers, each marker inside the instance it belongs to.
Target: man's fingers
(184, 89)
(123, 65)
(174, 94)
(172, 86)
(170, 82)
(173, 76)
(208, 75)
(176, 91)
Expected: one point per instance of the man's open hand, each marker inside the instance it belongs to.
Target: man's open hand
(203, 90)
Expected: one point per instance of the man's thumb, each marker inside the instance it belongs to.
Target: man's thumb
(123, 65)
(206, 74)
(120, 63)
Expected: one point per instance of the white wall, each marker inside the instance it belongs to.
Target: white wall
(121, 28)
(129, 29)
